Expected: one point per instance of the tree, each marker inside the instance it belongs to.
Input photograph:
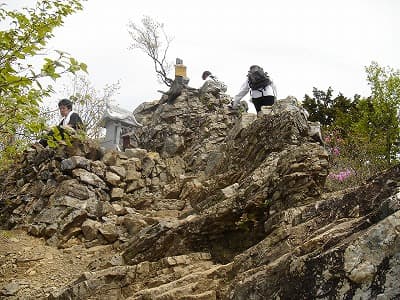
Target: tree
(89, 103)
(362, 135)
(151, 38)
(320, 106)
(345, 113)
(380, 117)
(21, 84)
(327, 110)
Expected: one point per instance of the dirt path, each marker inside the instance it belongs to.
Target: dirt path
(29, 269)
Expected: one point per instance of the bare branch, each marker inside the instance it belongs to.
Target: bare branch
(151, 38)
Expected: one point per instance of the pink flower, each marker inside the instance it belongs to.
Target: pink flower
(341, 176)
(336, 151)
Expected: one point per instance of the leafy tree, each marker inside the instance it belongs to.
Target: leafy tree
(345, 113)
(21, 84)
(320, 106)
(330, 111)
(379, 117)
(363, 135)
(151, 38)
(89, 103)
(352, 156)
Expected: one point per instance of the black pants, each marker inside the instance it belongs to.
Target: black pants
(263, 101)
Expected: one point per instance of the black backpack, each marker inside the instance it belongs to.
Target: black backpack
(258, 79)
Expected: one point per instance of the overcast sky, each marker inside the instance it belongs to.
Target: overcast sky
(301, 44)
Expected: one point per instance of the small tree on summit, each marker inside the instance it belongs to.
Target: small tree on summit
(151, 38)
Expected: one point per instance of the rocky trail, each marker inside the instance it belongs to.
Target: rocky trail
(29, 269)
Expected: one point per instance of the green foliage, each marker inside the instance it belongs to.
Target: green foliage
(5, 235)
(21, 87)
(362, 134)
(55, 137)
(379, 118)
(323, 108)
(319, 106)
(352, 160)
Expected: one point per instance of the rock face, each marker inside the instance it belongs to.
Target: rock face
(211, 205)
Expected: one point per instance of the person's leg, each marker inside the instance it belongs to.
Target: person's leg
(257, 104)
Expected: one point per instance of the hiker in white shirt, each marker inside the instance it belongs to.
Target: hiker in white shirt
(263, 93)
(70, 119)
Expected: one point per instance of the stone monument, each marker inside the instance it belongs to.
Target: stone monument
(120, 125)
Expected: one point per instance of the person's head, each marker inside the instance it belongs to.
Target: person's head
(254, 68)
(205, 75)
(65, 106)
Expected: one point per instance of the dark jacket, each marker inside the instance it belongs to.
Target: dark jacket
(75, 121)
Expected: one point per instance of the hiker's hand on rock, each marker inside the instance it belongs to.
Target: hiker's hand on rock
(233, 106)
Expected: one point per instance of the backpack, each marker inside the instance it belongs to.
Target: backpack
(258, 79)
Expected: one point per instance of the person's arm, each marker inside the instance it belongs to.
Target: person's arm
(244, 89)
(274, 90)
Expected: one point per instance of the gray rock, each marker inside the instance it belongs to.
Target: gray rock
(75, 162)
(90, 229)
(109, 231)
(89, 178)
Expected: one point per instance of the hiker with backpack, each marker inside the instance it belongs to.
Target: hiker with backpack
(262, 89)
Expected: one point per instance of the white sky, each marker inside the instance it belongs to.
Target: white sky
(301, 44)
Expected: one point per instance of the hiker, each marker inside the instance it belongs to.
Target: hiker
(71, 120)
(262, 89)
(212, 83)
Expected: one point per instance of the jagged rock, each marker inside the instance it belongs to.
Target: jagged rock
(67, 201)
(213, 205)
(136, 153)
(89, 178)
(13, 287)
(117, 193)
(98, 168)
(51, 215)
(133, 223)
(74, 219)
(132, 175)
(133, 186)
(72, 188)
(119, 210)
(119, 170)
(109, 232)
(112, 178)
(230, 191)
(90, 229)
(75, 162)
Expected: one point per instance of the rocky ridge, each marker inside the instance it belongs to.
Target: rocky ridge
(212, 204)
